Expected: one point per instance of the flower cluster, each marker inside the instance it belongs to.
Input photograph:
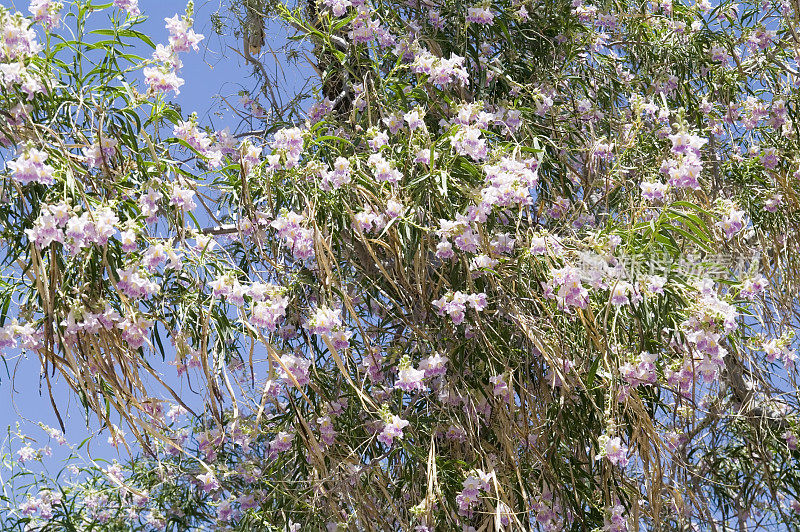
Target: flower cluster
(509, 183)
(779, 349)
(470, 495)
(382, 169)
(732, 221)
(440, 71)
(199, 140)
(338, 177)
(295, 369)
(164, 76)
(18, 37)
(643, 372)
(408, 378)
(327, 322)
(131, 6)
(298, 239)
(566, 288)
(100, 153)
(616, 520)
(42, 504)
(480, 14)
(287, 145)
(47, 12)
(614, 450)
(392, 428)
(454, 304)
(267, 313)
(30, 167)
(469, 141)
(685, 165)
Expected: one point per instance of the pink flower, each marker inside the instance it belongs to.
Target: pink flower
(414, 120)
(684, 142)
(655, 284)
(615, 451)
(732, 222)
(226, 511)
(392, 430)
(267, 314)
(434, 366)
(26, 454)
(30, 506)
(772, 204)
(57, 435)
(131, 6)
(134, 284)
(183, 198)
(444, 250)
(339, 176)
(202, 142)
(30, 167)
(502, 243)
(751, 288)
(410, 379)
(19, 39)
(169, 59)
(45, 230)
(509, 183)
(477, 301)
(571, 292)
(615, 521)
(162, 80)
(423, 156)
(501, 388)
(209, 481)
(470, 496)
(364, 27)
(98, 152)
(455, 305)
(770, 158)
(128, 239)
(46, 12)
(154, 257)
(299, 239)
(7, 337)
(182, 37)
(325, 321)
(684, 173)
(441, 71)
(653, 191)
(382, 169)
(338, 7)
(469, 142)
(341, 339)
(482, 262)
(326, 431)
(791, 440)
(148, 203)
(480, 15)
(298, 369)
(620, 292)
(289, 143)
(394, 122)
(135, 330)
(281, 443)
(644, 372)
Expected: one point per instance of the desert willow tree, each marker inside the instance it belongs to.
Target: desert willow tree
(523, 265)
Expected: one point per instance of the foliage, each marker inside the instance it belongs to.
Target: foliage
(525, 265)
